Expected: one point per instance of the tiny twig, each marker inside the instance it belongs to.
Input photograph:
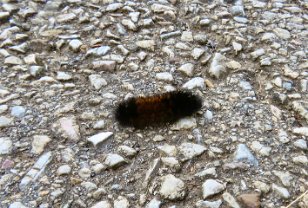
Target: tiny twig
(298, 198)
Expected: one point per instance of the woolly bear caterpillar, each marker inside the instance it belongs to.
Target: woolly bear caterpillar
(140, 112)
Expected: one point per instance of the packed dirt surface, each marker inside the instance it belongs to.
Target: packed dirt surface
(65, 65)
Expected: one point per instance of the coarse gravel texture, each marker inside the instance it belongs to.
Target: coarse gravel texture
(66, 64)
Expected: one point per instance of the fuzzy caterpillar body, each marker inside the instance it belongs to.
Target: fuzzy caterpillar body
(140, 112)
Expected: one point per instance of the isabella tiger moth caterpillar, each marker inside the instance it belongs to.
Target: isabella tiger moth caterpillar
(169, 107)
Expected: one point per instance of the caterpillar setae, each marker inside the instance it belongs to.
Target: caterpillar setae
(140, 112)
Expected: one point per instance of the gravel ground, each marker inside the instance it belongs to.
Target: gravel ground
(66, 64)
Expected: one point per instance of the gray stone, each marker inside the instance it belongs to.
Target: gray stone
(280, 191)
(63, 76)
(237, 46)
(184, 123)
(102, 204)
(301, 131)
(241, 19)
(56, 193)
(31, 59)
(129, 24)
(158, 8)
(108, 65)
(75, 45)
(134, 16)
(13, 60)
(67, 155)
(277, 81)
(169, 150)
(205, 22)
(17, 205)
(168, 51)
(207, 172)
(146, 44)
(211, 187)
(234, 65)
(208, 204)
(100, 51)
(299, 108)
(154, 203)
(257, 53)
(114, 6)
(98, 168)
(97, 81)
(301, 160)
(4, 15)
(21, 48)
(187, 69)
(230, 200)
(84, 173)
(127, 151)
(114, 160)
(190, 150)
(62, 18)
(64, 170)
(4, 53)
(182, 46)
(6, 145)
(172, 188)
(142, 55)
(158, 138)
(258, 4)
(208, 115)
(284, 176)
(18, 111)
(110, 96)
(196, 82)
(68, 128)
(283, 136)
(301, 143)
(197, 53)
(263, 187)
(261, 149)
(99, 193)
(3, 93)
(89, 186)
(282, 33)
(237, 10)
(171, 162)
(187, 36)
(217, 67)
(290, 73)
(3, 108)
(121, 202)
(242, 153)
(99, 138)
(164, 76)
(99, 124)
(39, 142)
(123, 50)
(5, 121)
(268, 37)
(36, 70)
(266, 61)
(245, 85)
(201, 38)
